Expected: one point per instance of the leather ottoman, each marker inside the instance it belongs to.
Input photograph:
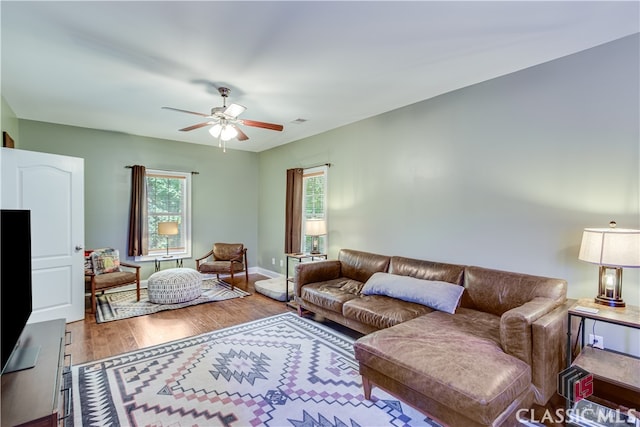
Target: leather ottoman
(459, 378)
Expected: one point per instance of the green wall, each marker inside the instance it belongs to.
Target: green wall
(503, 174)
(225, 196)
(10, 122)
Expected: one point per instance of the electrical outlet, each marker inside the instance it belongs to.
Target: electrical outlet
(281, 263)
(273, 261)
(596, 341)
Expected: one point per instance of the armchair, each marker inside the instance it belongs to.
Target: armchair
(227, 258)
(104, 270)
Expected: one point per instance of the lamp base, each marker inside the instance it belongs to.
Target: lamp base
(609, 301)
(610, 287)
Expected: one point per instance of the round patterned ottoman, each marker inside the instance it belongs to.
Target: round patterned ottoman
(174, 285)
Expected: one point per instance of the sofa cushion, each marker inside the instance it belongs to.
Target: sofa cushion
(428, 270)
(359, 265)
(469, 374)
(381, 311)
(332, 293)
(438, 295)
(497, 292)
(473, 322)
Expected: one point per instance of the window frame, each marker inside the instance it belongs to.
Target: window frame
(323, 241)
(186, 219)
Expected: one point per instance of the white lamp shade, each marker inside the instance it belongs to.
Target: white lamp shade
(167, 228)
(225, 132)
(315, 227)
(215, 130)
(616, 247)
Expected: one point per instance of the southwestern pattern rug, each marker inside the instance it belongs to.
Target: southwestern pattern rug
(279, 371)
(121, 305)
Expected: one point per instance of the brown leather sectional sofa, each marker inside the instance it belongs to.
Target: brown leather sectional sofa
(499, 352)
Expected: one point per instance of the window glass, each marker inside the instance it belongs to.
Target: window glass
(168, 200)
(314, 201)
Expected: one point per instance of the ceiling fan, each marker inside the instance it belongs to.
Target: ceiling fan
(224, 120)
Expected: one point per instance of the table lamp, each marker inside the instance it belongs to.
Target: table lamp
(612, 248)
(167, 229)
(315, 228)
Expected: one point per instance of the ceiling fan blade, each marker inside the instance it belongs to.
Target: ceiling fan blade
(262, 125)
(234, 110)
(241, 135)
(198, 126)
(186, 111)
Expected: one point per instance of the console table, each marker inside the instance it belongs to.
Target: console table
(38, 396)
(615, 374)
(299, 258)
(168, 258)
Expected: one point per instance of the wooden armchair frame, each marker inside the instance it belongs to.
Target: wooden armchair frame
(224, 266)
(104, 281)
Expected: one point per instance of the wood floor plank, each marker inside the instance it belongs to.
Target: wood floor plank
(93, 341)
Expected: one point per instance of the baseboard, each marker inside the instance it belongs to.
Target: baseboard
(143, 283)
(265, 272)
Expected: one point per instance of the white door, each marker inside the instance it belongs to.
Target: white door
(52, 188)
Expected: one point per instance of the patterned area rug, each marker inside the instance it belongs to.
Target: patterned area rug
(121, 305)
(279, 371)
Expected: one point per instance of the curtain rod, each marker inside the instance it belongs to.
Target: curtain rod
(192, 172)
(315, 166)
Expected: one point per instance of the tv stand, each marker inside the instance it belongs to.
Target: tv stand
(36, 396)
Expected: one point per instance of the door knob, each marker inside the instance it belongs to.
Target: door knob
(78, 248)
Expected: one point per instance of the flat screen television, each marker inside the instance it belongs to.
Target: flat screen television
(15, 290)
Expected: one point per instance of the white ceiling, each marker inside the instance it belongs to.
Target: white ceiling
(113, 65)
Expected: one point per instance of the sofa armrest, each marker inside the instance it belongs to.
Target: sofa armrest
(549, 351)
(318, 271)
(515, 327)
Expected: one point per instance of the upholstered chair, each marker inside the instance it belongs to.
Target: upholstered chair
(104, 270)
(224, 258)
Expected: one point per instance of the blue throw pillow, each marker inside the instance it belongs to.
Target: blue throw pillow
(442, 296)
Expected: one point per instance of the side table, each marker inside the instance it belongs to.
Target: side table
(168, 258)
(297, 257)
(615, 374)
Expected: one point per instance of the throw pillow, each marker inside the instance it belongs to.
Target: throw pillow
(105, 260)
(438, 295)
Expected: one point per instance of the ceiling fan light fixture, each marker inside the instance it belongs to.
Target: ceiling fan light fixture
(224, 132)
(229, 132)
(215, 130)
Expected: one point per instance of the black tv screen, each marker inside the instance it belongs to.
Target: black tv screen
(15, 279)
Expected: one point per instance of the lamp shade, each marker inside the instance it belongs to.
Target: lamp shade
(315, 227)
(224, 132)
(167, 228)
(616, 247)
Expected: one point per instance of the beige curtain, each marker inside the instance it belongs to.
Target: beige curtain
(138, 241)
(293, 211)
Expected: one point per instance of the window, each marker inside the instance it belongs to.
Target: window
(168, 199)
(314, 204)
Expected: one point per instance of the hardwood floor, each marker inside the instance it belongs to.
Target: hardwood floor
(93, 341)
